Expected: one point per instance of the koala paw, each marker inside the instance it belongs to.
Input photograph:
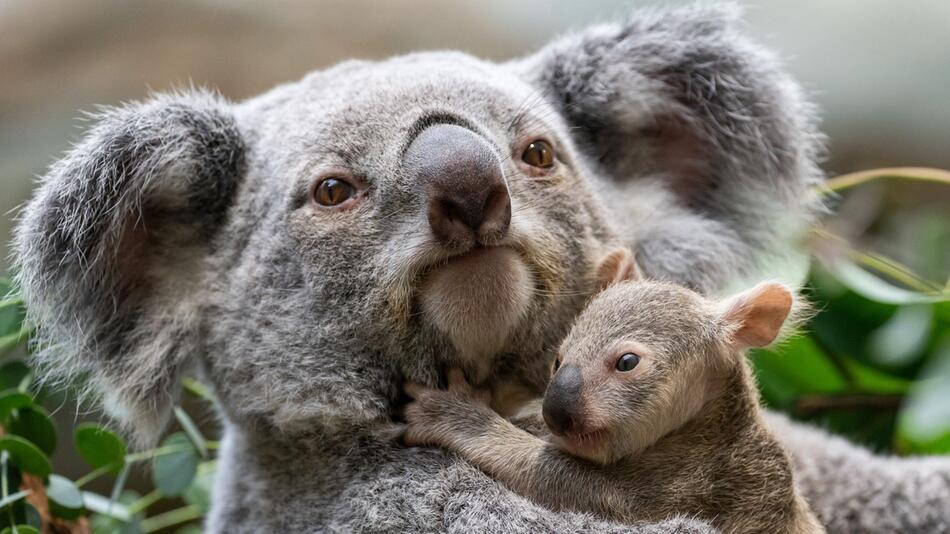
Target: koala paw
(443, 417)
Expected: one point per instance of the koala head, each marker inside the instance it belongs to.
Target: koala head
(308, 249)
(645, 357)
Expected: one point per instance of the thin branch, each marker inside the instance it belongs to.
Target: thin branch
(854, 179)
(810, 404)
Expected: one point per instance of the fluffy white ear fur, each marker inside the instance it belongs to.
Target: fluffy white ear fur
(758, 315)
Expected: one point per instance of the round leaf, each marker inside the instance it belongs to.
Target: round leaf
(173, 472)
(26, 456)
(12, 399)
(11, 374)
(22, 529)
(100, 447)
(64, 497)
(199, 492)
(35, 425)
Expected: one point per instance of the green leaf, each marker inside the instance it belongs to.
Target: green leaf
(26, 456)
(13, 340)
(12, 399)
(34, 424)
(796, 367)
(12, 312)
(12, 374)
(21, 529)
(924, 421)
(903, 337)
(874, 288)
(100, 447)
(870, 380)
(199, 492)
(172, 473)
(65, 499)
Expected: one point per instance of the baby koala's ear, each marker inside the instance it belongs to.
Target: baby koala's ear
(618, 265)
(758, 314)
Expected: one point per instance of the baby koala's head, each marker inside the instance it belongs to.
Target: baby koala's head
(644, 357)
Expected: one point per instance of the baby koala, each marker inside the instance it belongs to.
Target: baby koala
(652, 412)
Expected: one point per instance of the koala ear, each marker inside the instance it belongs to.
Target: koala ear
(112, 250)
(617, 266)
(680, 96)
(756, 316)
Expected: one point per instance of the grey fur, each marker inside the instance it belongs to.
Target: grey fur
(303, 320)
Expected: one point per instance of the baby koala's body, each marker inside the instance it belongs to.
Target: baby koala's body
(652, 413)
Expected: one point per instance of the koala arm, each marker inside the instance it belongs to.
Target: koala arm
(461, 422)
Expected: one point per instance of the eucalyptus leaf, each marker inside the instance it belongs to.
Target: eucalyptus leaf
(100, 447)
(903, 337)
(12, 399)
(35, 424)
(199, 492)
(21, 529)
(12, 374)
(173, 473)
(924, 422)
(26, 456)
(65, 499)
(874, 288)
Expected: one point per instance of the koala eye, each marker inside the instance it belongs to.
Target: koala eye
(333, 192)
(627, 362)
(539, 154)
(557, 364)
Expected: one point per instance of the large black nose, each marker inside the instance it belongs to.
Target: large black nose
(562, 401)
(466, 193)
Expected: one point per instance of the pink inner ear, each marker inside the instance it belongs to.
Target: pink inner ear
(617, 266)
(760, 314)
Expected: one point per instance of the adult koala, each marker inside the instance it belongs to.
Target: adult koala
(309, 249)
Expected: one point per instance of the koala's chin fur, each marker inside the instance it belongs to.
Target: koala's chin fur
(182, 235)
(477, 300)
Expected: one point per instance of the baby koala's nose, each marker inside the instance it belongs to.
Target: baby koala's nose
(562, 401)
(466, 192)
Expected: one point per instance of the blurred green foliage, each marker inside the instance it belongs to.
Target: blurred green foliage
(32, 495)
(877, 372)
(873, 363)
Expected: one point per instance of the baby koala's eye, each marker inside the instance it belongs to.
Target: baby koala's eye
(557, 364)
(627, 362)
(333, 192)
(539, 154)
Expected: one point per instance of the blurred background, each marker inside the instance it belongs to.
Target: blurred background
(875, 364)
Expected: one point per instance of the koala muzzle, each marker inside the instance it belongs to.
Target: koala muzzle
(562, 401)
(466, 192)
